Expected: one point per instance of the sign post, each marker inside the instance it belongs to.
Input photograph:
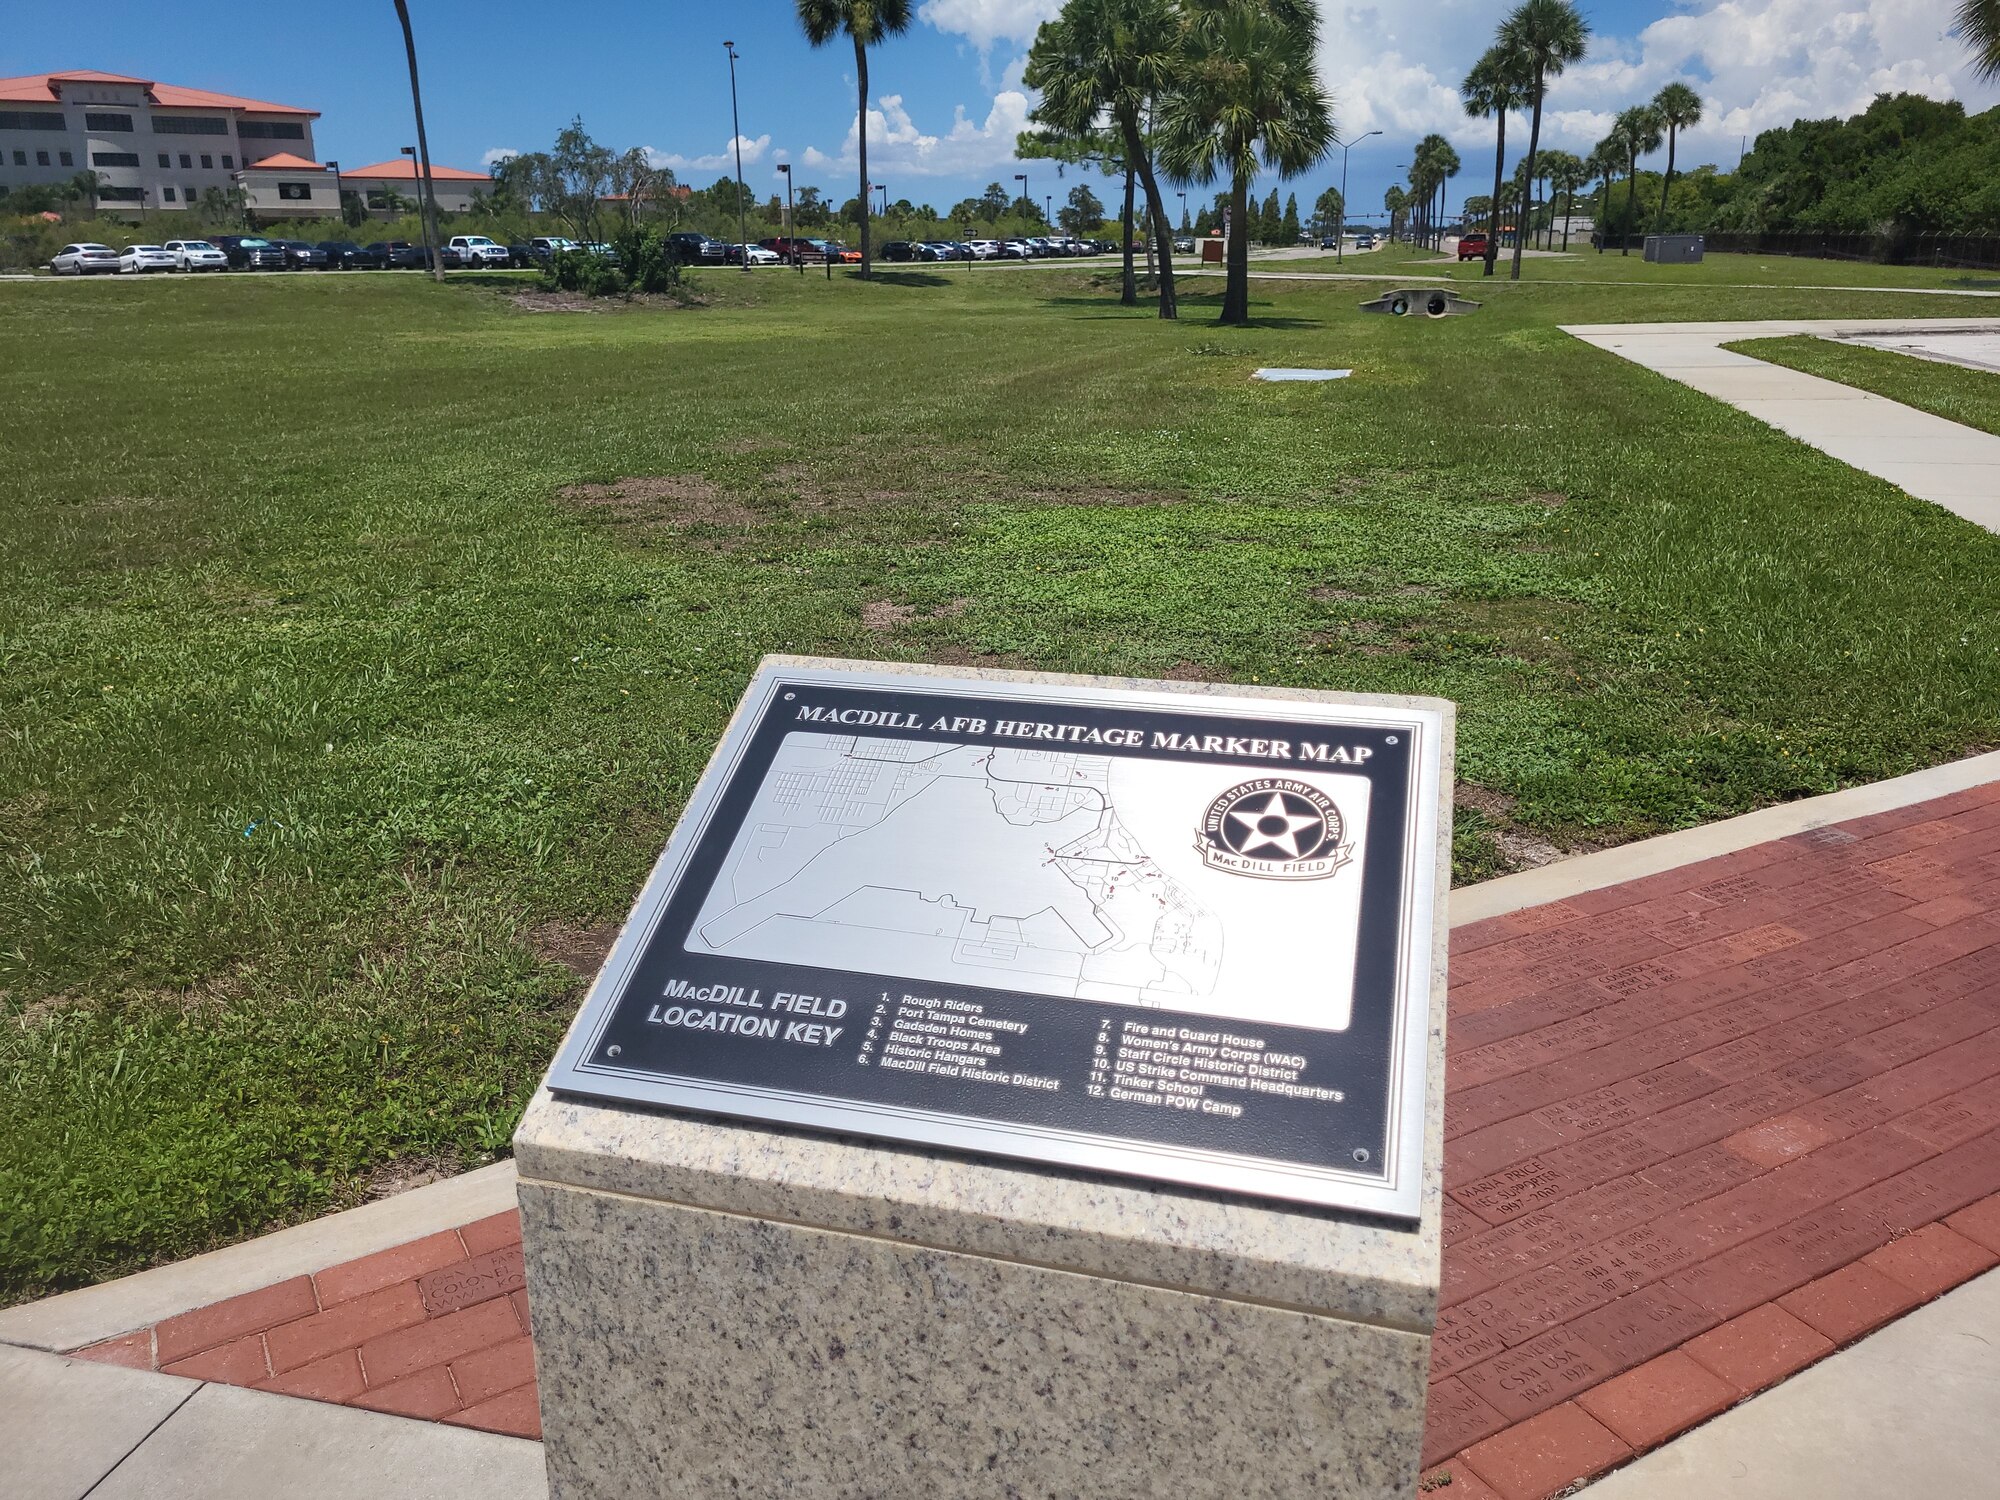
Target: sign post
(976, 989)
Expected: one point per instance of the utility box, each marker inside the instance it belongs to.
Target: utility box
(1674, 249)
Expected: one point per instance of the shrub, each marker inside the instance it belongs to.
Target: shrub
(639, 262)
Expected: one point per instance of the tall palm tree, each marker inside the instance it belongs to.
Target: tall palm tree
(1978, 21)
(433, 246)
(1679, 108)
(1430, 167)
(1395, 203)
(1549, 35)
(1497, 83)
(1638, 133)
(1566, 173)
(1603, 163)
(1249, 91)
(865, 22)
(1112, 57)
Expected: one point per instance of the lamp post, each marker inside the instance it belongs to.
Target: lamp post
(736, 140)
(1048, 208)
(421, 152)
(1340, 222)
(1184, 217)
(1022, 178)
(791, 243)
(883, 189)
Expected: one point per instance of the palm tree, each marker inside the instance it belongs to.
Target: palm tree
(1679, 108)
(1566, 174)
(865, 22)
(1395, 203)
(1249, 90)
(1115, 57)
(1603, 162)
(433, 246)
(1497, 83)
(1549, 35)
(1638, 133)
(1430, 168)
(1978, 21)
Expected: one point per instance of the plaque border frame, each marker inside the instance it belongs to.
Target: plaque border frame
(1397, 1193)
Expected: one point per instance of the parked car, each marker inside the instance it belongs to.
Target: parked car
(523, 257)
(899, 250)
(301, 256)
(136, 260)
(838, 253)
(1015, 250)
(544, 247)
(196, 255)
(603, 252)
(371, 257)
(341, 255)
(404, 256)
(936, 250)
(476, 250)
(246, 252)
(757, 255)
(790, 247)
(985, 249)
(1472, 247)
(690, 248)
(84, 260)
(1183, 244)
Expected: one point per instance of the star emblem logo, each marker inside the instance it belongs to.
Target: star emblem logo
(1274, 828)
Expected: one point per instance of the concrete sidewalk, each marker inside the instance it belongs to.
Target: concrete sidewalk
(1946, 463)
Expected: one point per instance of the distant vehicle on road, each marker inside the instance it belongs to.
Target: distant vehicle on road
(1365, 242)
(1472, 247)
(196, 255)
(84, 260)
(136, 260)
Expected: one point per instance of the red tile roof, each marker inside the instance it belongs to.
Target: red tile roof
(284, 161)
(402, 169)
(46, 88)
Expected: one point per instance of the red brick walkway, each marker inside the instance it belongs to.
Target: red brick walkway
(1701, 1129)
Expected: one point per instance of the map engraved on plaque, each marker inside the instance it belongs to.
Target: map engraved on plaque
(1050, 871)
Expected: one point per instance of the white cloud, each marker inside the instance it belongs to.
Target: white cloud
(984, 22)
(498, 154)
(1756, 64)
(896, 144)
(723, 160)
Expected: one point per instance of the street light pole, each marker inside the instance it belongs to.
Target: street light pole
(1340, 220)
(791, 243)
(1022, 178)
(1184, 217)
(736, 128)
(433, 247)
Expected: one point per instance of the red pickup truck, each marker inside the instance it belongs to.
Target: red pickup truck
(1472, 247)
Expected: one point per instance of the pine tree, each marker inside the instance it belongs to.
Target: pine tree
(1270, 223)
(1204, 222)
(1290, 227)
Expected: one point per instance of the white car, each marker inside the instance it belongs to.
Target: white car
(84, 260)
(474, 250)
(985, 249)
(759, 256)
(196, 255)
(137, 260)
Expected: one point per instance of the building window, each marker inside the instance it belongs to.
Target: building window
(208, 164)
(269, 130)
(31, 119)
(20, 158)
(112, 159)
(121, 123)
(296, 192)
(188, 192)
(66, 159)
(186, 161)
(41, 158)
(120, 194)
(189, 125)
(228, 163)
(167, 193)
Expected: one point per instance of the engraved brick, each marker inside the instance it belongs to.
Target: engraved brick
(1463, 1336)
(1454, 1417)
(1776, 1142)
(1538, 1374)
(480, 1279)
(1644, 1323)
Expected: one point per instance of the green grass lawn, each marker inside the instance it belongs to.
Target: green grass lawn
(1954, 392)
(1582, 264)
(330, 724)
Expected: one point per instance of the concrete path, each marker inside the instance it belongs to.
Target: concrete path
(1944, 462)
(1975, 351)
(1908, 1411)
(70, 1429)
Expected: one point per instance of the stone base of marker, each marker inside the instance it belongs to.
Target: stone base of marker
(734, 1309)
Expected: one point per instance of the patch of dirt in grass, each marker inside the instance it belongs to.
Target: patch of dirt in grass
(1328, 593)
(406, 1173)
(1482, 799)
(1187, 671)
(1549, 498)
(643, 502)
(556, 302)
(581, 950)
(1526, 851)
(880, 614)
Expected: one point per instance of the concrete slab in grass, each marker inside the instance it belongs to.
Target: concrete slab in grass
(65, 1424)
(1907, 1411)
(231, 1444)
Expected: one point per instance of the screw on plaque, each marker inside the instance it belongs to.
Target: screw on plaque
(613, 1051)
(1361, 1153)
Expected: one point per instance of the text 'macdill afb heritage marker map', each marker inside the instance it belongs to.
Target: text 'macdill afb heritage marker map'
(1136, 928)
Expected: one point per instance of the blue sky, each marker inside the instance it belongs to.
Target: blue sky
(946, 97)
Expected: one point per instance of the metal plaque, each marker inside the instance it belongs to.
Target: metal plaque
(1176, 934)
